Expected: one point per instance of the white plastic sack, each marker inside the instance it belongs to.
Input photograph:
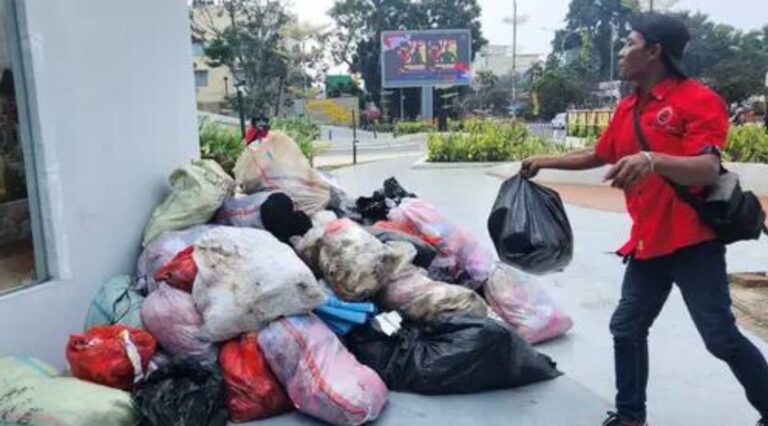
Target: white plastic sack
(243, 211)
(171, 317)
(278, 164)
(247, 278)
(321, 377)
(32, 393)
(354, 262)
(162, 250)
(419, 298)
(524, 305)
(197, 191)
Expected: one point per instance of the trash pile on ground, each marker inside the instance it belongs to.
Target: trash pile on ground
(275, 291)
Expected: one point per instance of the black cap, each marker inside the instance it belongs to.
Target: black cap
(669, 32)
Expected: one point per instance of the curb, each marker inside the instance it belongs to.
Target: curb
(754, 176)
(423, 164)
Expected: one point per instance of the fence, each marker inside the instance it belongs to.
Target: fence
(584, 123)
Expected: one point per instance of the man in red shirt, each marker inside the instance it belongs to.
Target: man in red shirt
(257, 130)
(686, 125)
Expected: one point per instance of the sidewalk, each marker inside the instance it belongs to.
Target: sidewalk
(602, 198)
(687, 387)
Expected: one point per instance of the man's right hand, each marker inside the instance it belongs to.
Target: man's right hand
(531, 166)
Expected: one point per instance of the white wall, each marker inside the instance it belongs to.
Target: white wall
(113, 113)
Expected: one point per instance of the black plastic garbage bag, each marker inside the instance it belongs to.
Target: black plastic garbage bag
(182, 393)
(458, 354)
(282, 220)
(377, 206)
(425, 252)
(529, 227)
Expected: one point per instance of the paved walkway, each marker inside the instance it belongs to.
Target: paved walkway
(688, 386)
(602, 198)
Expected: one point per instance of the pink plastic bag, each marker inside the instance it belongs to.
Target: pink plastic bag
(322, 378)
(170, 315)
(459, 250)
(525, 306)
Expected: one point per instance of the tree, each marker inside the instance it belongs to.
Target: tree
(730, 61)
(602, 23)
(247, 37)
(487, 95)
(559, 89)
(304, 51)
(360, 24)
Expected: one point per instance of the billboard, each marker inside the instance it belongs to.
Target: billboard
(426, 58)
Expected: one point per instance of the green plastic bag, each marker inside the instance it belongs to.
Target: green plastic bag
(117, 302)
(197, 191)
(32, 393)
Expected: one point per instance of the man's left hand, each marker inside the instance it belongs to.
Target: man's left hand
(629, 170)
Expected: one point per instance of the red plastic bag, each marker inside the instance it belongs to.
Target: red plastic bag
(387, 225)
(180, 272)
(111, 355)
(253, 392)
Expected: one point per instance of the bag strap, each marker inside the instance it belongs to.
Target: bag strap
(681, 190)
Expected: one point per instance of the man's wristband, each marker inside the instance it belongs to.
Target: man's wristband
(651, 160)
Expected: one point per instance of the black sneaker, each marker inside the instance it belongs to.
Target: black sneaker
(614, 420)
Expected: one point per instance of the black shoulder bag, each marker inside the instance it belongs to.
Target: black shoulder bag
(734, 215)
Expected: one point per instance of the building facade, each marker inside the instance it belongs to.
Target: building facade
(497, 59)
(104, 110)
(213, 85)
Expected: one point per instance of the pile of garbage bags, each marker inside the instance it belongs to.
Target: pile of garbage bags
(273, 290)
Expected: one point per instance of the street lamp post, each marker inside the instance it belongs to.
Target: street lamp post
(240, 107)
(515, 20)
(514, 52)
(613, 50)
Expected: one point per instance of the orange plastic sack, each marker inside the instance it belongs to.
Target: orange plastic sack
(253, 391)
(111, 355)
(180, 272)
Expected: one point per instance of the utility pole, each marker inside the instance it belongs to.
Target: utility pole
(514, 52)
(650, 5)
(613, 51)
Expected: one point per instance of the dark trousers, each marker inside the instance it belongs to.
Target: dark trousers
(700, 273)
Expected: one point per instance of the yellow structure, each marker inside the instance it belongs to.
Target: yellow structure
(588, 122)
(336, 111)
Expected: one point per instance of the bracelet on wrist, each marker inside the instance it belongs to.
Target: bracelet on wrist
(651, 160)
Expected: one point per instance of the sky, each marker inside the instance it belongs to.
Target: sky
(544, 16)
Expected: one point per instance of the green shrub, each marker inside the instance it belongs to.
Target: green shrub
(411, 127)
(485, 141)
(223, 143)
(302, 130)
(380, 127)
(748, 144)
(220, 143)
(455, 125)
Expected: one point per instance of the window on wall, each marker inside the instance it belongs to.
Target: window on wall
(20, 245)
(198, 48)
(201, 78)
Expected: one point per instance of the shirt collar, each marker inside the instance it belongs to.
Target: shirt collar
(662, 89)
(658, 93)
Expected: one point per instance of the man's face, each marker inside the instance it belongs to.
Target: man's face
(636, 57)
